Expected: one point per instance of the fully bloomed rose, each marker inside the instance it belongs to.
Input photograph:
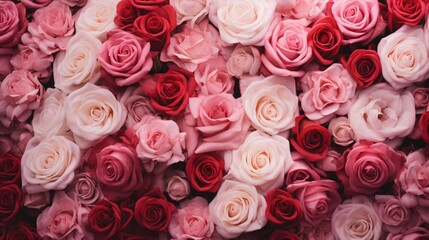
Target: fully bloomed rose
(189, 10)
(13, 23)
(12, 200)
(237, 208)
(244, 60)
(282, 208)
(380, 113)
(10, 169)
(359, 22)
(205, 172)
(364, 66)
(84, 189)
(212, 77)
(424, 126)
(124, 58)
(408, 12)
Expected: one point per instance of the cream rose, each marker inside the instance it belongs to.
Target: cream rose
(341, 131)
(190, 10)
(93, 113)
(49, 165)
(244, 60)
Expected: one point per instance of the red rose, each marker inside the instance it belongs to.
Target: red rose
(205, 172)
(10, 169)
(283, 235)
(126, 14)
(170, 91)
(156, 26)
(106, 219)
(310, 139)
(13, 23)
(10, 203)
(148, 5)
(364, 66)
(325, 38)
(21, 231)
(424, 126)
(153, 211)
(282, 209)
(409, 12)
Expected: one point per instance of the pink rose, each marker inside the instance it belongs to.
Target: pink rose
(124, 58)
(192, 220)
(84, 189)
(359, 22)
(286, 48)
(306, 11)
(300, 171)
(341, 131)
(31, 58)
(421, 98)
(5, 65)
(73, 3)
(13, 23)
(18, 134)
(329, 163)
(367, 167)
(413, 233)
(35, 4)
(190, 10)
(37, 200)
(326, 93)
(319, 232)
(213, 78)
(137, 105)
(244, 60)
(177, 187)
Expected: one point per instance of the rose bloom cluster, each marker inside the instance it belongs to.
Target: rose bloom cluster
(214, 119)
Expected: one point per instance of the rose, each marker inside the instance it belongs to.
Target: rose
(170, 91)
(325, 39)
(368, 166)
(341, 131)
(37, 200)
(359, 22)
(52, 27)
(125, 15)
(364, 66)
(155, 27)
(177, 187)
(13, 23)
(31, 58)
(192, 220)
(421, 98)
(286, 48)
(237, 208)
(35, 4)
(62, 220)
(93, 113)
(192, 11)
(124, 58)
(11, 203)
(78, 64)
(153, 211)
(192, 46)
(326, 93)
(106, 219)
(205, 172)
(300, 171)
(212, 77)
(356, 218)
(73, 3)
(19, 134)
(320, 232)
(306, 11)
(84, 189)
(310, 139)
(409, 12)
(380, 113)
(318, 199)
(282, 208)
(136, 104)
(10, 169)
(244, 60)
(415, 232)
(404, 57)
(261, 161)
(424, 126)
(5, 65)
(148, 5)
(21, 231)
(280, 234)
(248, 29)
(271, 104)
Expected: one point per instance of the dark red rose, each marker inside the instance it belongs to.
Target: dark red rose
(10, 169)
(11, 200)
(106, 219)
(148, 5)
(170, 91)
(282, 208)
(364, 66)
(325, 38)
(21, 231)
(310, 139)
(13, 23)
(424, 126)
(408, 12)
(156, 26)
(3, 233)
(205, 172)
(126, 14)
(279, 234)
(153, 211)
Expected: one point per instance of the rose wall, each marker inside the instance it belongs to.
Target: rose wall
(214, 119)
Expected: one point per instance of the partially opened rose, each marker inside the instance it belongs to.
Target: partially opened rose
(282, 208)
(365, 67)
(409, 12)
(84, 189)
(33, 59)
(10, 169)
(11, 204)
(244, 60)
(137, 105)
(126, 13)
(212, 77)
(205, 172)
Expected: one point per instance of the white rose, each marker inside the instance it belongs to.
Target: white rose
(190, 10)
(77, 65)
(237, 208)
(49, 165)
(93, 113)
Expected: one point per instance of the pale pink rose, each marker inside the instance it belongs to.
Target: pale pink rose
(13, 23)
(237, 208)
(77, 65)
(62, 220)
(300, 171)
(326, 93)
(192, 220)
(286, 48)
(404, 57)
(190, 10)
(271, 104)
(93, 113)
(381, 113)
(421, 98)
(356, 218)
(37, 200)
(192, 46)
(49, 164)
(35, 4)
(410, 234)
(31, 58)
(306, 11)
(214, 123)
(5, 65)
(73, 3)
(341, 132)
(177, 187)
(329, 163)
(124, 58)
(20, 94)
(261, 161)
(235, 27)
(137, 105)
(318, 199)
(160, 143)
(84, 189)
(213, 78)
(52, 27)
(319, 232)
(359, 22)
(244, 60)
